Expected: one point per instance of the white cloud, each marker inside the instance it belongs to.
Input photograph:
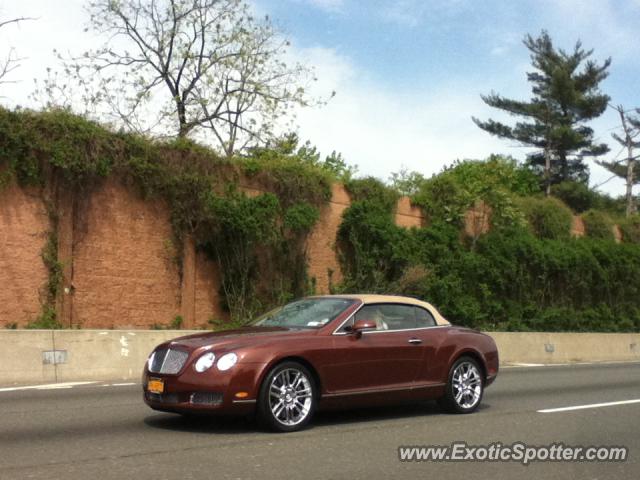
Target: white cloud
(412, 13)
(381, 129)
(404, 13)
(503, 43)
(603, 25)
(328, 5)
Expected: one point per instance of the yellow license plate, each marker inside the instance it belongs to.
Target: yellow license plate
(155, 385)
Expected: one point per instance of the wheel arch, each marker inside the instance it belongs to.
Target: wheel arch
(298, 359)
(477, 356)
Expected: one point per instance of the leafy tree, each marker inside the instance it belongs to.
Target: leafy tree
(336, 164)
(406, 182)
(626, 168)
(495, 181)
(288, 145)
(565, 96)
(183, 67)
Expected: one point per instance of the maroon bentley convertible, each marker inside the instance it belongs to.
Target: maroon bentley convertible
(323, 352)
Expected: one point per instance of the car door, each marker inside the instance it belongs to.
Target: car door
(389, 357)
(434, 361)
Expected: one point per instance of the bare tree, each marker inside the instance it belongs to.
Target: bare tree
(185, 67)
(9, 63)
(626, 168)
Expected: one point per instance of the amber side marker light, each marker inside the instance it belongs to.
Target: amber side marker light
(242, 395)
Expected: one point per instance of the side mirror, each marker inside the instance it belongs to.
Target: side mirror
(363, 325)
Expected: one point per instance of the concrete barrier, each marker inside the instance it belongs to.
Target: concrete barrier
(49, 356)
(46, 356)
(549, 348)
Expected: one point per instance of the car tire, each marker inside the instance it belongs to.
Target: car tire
(465, 387)
(288, 398)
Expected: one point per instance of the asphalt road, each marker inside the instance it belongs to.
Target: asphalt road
(103, 432)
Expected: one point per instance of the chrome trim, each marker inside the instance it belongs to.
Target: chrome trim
(405, 329)
(384, 390)
(243, 401)
(365, 332)
(167, 361)
(346, 320)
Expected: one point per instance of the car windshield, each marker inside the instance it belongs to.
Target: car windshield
(306, 313)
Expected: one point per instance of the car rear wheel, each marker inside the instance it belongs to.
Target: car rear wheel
(287, 398)
(465, 386)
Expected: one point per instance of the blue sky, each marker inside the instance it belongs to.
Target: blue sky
(408, 74)
(427, 62)
(411, 43)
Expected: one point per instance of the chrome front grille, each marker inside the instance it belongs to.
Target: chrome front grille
(167, 360)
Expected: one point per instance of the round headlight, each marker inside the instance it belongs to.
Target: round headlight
(227, 361)
(205, 362)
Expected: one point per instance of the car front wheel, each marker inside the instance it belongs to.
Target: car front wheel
(287, 397)
(465, 386)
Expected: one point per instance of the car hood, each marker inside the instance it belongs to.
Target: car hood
(234, 339)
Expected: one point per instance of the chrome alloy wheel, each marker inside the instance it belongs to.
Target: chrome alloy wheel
(290, 397)
(467, 385)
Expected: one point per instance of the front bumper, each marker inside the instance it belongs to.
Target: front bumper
(233, 392)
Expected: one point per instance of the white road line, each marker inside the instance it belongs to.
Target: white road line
(49, 386)
(593, 405)
(123, 384)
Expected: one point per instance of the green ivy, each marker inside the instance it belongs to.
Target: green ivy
(246, 236)
(511, 280)
(301, 217)
(47, 320)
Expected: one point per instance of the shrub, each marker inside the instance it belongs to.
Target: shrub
(443, 198)
(372, 190)
(497, 181)
(511, 281)
(630, 228)
(580, 198)
(576, 195)
(598, 224)
(547, 217)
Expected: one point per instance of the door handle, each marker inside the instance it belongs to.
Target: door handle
(415, 341)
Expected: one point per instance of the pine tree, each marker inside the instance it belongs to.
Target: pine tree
(565, 96)
(626, 168)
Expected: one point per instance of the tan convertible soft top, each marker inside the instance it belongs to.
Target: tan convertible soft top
(370, 298)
